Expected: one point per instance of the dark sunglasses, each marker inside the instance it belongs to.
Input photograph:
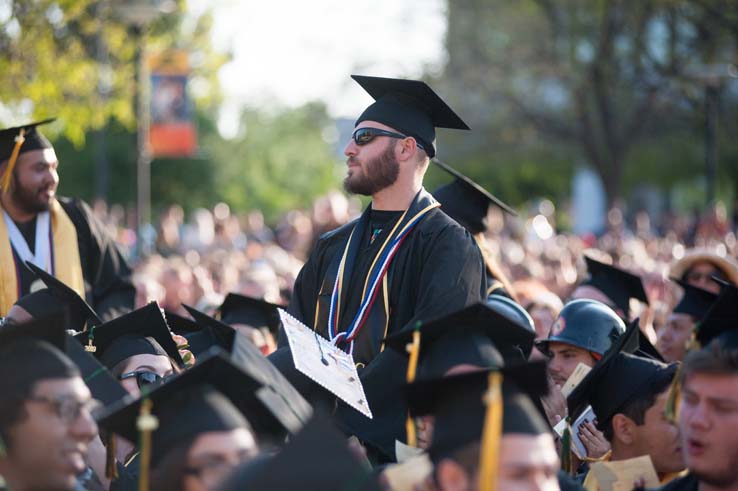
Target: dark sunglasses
(362, 136)
(144, 379)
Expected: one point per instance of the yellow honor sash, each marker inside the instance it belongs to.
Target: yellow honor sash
(67, 264)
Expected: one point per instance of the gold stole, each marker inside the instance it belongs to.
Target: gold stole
(67, 264)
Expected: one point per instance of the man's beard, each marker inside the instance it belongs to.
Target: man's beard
(380, 173)
(26, 199)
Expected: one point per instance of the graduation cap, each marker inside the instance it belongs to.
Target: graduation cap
(475, 335)
(462, 405)
(618, 285)
(103, 386)
(142, 331)
(240, 309)
(410, 107)
(721, 320)
(695, 301)
(212, 331)
(249, 359)
(50, 329)
(33, 351)
(302, 465)
(18, 140)
(618, 378)
(214, 395)
(466, 201)
(199, 338)
(79, 310)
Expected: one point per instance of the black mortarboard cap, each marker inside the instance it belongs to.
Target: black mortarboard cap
(79, 310)
(142, 331)
(240, 309)
(475, 335)
(50, 329)
(695, 301)
(103, 386)
(33, 351)
(212, 330)
(410, 107)
(302, 464)
(466, 201)
(721, 320)
(457, 403)
(199, 338)
(618, 378)
(250, 359)
(617, 284)
(34, 140)
(187, 405)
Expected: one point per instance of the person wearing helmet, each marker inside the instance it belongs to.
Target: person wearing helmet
(512, 311)
(583, 332)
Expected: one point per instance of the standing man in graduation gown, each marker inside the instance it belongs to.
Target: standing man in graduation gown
(403, 260)
(59, 235)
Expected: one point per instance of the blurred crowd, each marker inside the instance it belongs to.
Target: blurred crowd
(201, 256)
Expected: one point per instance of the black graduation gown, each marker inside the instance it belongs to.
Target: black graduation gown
(437, 270)
(108, 286)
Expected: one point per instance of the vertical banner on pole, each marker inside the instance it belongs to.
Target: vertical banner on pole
(173, 132)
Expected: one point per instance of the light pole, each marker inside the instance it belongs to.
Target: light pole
(139, 14)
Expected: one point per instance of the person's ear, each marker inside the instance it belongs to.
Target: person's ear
(623, 429)
(451, 476)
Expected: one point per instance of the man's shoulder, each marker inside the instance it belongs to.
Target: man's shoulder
(74, 206)
(438, 222)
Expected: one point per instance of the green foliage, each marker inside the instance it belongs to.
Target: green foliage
(282, 160)
(616, 85)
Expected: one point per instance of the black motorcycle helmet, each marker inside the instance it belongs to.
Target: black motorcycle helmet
(586, 324)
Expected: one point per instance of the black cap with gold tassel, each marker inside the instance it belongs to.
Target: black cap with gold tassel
(18, 140)
(489, 403)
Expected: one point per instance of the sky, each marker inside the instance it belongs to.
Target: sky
(288, 52)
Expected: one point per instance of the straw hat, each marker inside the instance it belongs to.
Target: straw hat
(726, 265)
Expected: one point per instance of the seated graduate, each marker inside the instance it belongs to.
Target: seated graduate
(612, 286)
(46, 421)
(476, 337)
(301, 465)
(206, 421)
(708, 406)
(674, 336)
(488, 434)
(257, 319)
(628, 394)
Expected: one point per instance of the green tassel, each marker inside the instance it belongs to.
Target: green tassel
(3, 448)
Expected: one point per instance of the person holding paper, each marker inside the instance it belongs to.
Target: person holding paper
(402, 261)
(628, 395)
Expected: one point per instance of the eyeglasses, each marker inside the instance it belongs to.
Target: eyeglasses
(143, 378)
(67, 407)
(362, 136)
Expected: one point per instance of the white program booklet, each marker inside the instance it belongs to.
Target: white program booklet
(576, 444)
(324, 363)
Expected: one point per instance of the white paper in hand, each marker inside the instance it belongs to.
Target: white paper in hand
(325, 364)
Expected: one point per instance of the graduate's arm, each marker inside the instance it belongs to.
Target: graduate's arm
(105, 268)
(305, 292)
(453, 275)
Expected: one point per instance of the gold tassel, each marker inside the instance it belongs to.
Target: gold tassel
(111, 469)
(146, 424)
(492, 434)
(671, 411)
(8, 174)
(412, 366)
